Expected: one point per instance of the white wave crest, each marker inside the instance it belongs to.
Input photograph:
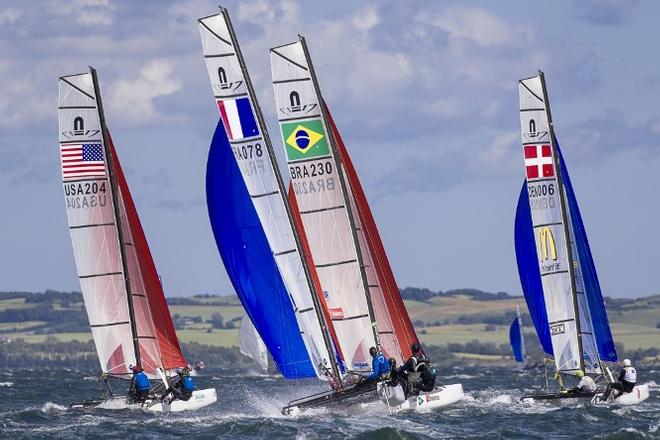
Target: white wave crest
(50, 407)
(6, 384)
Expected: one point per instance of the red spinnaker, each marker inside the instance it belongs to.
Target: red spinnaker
(163, 327)
(402, 326)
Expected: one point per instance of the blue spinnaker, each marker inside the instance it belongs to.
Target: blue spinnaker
(601, 326)
(249, 261)
(528, 269)
(516, 341)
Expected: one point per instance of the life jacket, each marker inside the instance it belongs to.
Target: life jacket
(630, 374)
(141, 381)
(421, 362)
(188, 384)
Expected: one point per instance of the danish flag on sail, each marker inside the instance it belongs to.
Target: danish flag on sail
(538, 161)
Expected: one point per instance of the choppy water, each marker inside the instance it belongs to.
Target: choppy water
(34, 405)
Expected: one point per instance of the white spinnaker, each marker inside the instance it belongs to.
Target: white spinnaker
(547, 219)
(251, 344)
(229, 81)
(93, 226)
(315, 179)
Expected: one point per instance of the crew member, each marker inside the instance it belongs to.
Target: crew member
(380, 367)
(417, 374)
(182, 386)
(140, 386)
(586, 384)
(627, 380)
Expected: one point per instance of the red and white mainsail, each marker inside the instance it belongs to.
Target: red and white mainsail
(395, 329)
(124, 299)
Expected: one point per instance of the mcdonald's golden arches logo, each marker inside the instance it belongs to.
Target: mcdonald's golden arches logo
(547, 244)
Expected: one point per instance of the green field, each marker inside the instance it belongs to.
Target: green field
(444, 321)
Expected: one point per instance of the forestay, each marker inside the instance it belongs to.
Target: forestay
(248, 138)
(322, 202)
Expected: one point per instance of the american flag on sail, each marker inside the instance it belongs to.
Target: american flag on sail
(82, 160)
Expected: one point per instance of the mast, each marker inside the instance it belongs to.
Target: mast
(522, 335)
(120, 233)
(565, 220)
(344, 189)
(280, 183)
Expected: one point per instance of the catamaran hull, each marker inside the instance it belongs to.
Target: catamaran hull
(199, 399)
(438, 398)
(639, 394)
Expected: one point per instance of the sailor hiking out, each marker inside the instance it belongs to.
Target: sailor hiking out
(585, 385)
(626, 383)
(380, 367)
(182, 386)
(140, 387)
(416, 374)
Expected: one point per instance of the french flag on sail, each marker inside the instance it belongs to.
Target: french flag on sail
(238, 118)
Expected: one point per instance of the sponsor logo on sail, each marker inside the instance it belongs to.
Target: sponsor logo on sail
(538, 161)
(547, 244)
(295, 107)
(305, 139)
(79, 130)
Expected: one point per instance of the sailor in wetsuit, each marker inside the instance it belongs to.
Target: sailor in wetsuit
(416, 374)
(139, 388)
(586, 384)
(182, 386)
(626, 383)
(380, 367)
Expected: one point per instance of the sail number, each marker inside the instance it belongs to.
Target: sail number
(85, 195)
(248, 151)
(541, 196)
(541, 189)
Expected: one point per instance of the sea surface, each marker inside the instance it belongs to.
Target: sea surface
(34, 405)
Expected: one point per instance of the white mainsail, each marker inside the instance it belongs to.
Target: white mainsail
(251, 344)
(322, 201)
(92, 222)
(247, 134)
(568, 314)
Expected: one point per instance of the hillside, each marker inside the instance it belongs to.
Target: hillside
(464, 320)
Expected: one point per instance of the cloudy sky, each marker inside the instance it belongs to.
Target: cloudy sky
(425, 94)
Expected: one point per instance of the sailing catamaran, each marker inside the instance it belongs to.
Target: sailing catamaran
(361, 294)
(128, 315)
(517, 339)
(555, 264)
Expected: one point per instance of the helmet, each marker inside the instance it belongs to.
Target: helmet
(373, 351)
(626, 363)
(134, 368)
(415, 347)
(579, 374)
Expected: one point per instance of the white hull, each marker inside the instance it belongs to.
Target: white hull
(639, 394)
(199, 399)
(439, 397)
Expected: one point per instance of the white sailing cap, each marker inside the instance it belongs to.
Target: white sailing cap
(626, 363)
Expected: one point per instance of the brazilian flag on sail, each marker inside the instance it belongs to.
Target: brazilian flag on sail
(305, 139)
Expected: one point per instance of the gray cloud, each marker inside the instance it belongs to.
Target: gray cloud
(605, 12)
